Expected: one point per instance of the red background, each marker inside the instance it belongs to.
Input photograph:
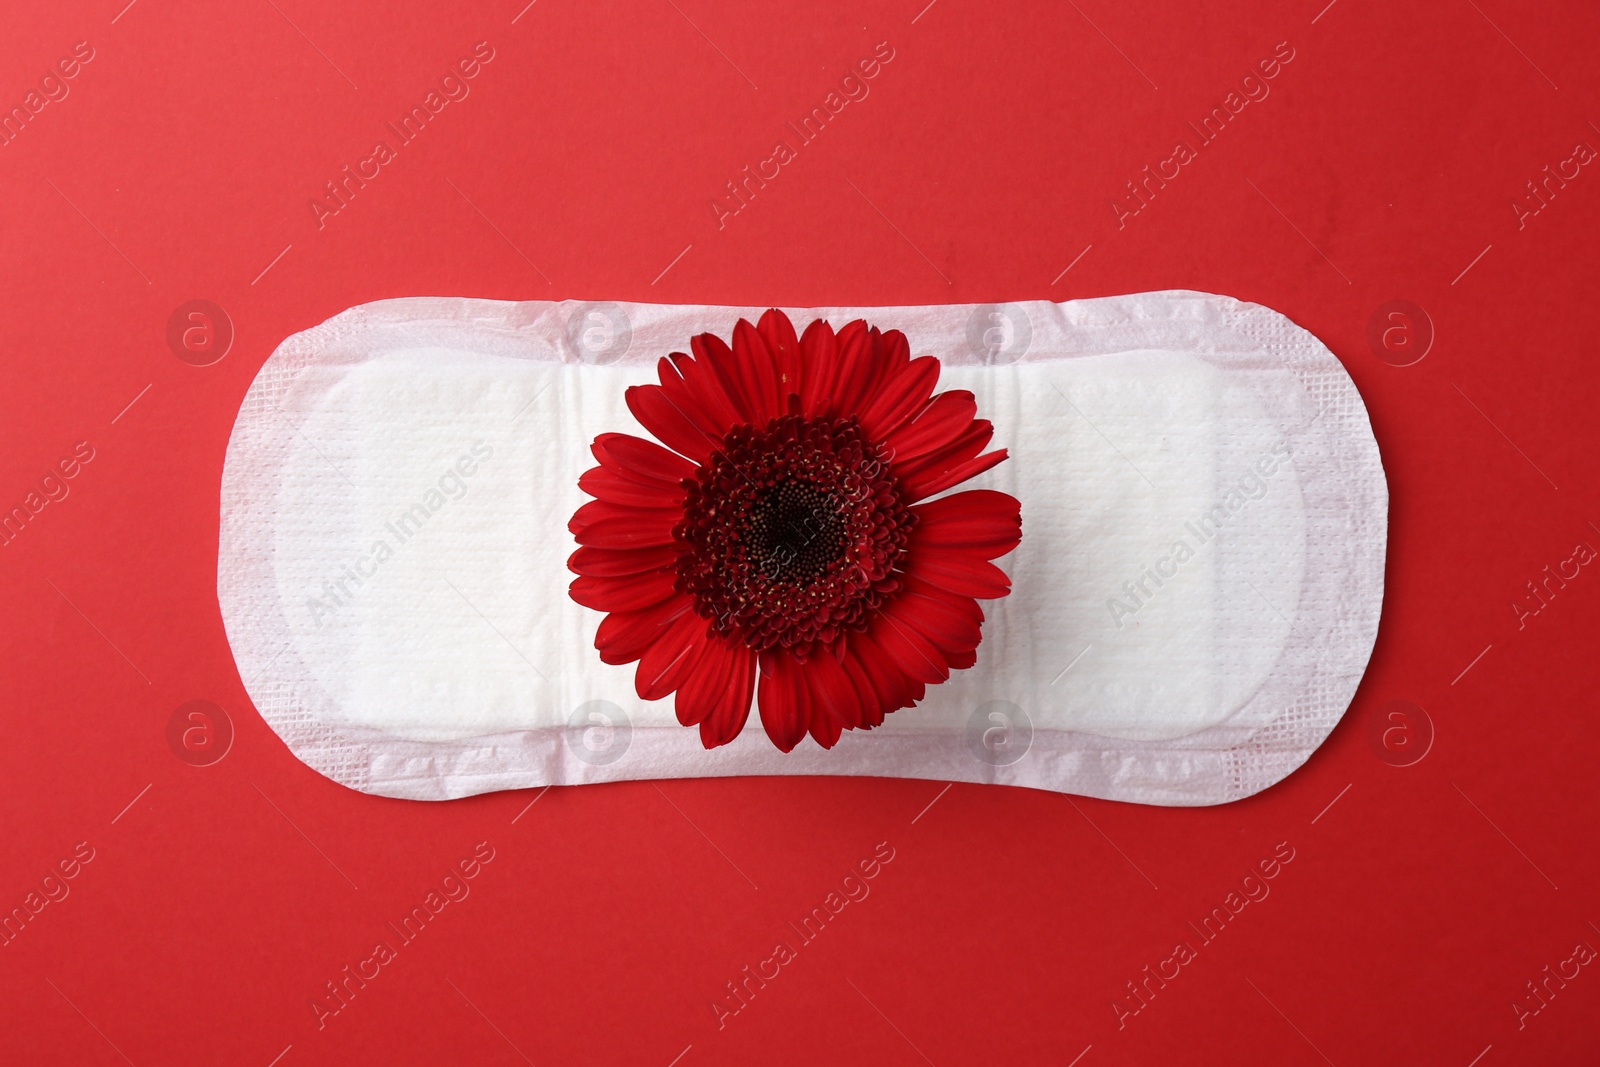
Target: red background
(984, 161)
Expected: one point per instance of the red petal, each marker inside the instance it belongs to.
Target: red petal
(966, 605)
(896, 349)
(819, 358)
(754, 363)
(634, 455)
(717, 692)
(887, 679)
(600, 510)
(825, 730)
(941, 422)
(858, 367)
(679, 376)
(979, 519)
(610, 563)
(623, 636)
(888, 361)
(657, 412)
(917, 689)
(874, 704)
(704, 392)
(627, 593)
(946, 628)
(624, 533)
(905, 647)
(776, 329)
(900, 397)
(934, 464)
(609, 485)
(835, 704)
(963, 572)
(675, 652)
(719, 359)
(784, 700)
(934, 481)
(712, 665)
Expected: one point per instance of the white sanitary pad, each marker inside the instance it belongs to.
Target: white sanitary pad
(1194, 601)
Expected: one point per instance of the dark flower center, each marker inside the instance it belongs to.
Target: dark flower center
(794, 531)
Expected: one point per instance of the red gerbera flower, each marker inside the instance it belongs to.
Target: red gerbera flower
(784, 541)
